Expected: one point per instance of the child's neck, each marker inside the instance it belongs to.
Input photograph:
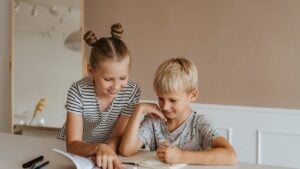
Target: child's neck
(173, 124)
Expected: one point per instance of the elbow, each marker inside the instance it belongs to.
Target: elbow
(232, 158)
(125, 150)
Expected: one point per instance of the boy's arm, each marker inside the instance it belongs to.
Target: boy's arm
(221, 153)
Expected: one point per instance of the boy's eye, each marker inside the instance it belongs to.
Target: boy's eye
(173, 100)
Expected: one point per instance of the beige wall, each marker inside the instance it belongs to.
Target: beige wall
(247, 51)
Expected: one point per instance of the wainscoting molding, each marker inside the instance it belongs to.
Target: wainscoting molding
(226, 132)
(278, 148)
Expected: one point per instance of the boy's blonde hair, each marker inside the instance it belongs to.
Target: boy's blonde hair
(175, 74)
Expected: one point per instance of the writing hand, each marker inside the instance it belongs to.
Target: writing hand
(169, 154)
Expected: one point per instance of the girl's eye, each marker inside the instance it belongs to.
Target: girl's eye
(123, 78)
(107, 79)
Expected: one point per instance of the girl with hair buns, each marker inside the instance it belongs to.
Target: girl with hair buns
(99, 106)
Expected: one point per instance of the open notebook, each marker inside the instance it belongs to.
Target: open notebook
(148, 159)
(145, 159)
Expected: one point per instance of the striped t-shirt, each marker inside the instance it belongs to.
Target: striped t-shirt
(97, 125)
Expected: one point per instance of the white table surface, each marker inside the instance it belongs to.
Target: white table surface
(16, 150)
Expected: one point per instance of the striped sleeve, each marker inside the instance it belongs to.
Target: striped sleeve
(74, 103)
(133, 101)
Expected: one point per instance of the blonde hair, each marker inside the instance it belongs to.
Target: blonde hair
(175, 74)
(107, 48)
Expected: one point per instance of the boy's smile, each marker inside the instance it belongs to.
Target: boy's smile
(175, 105)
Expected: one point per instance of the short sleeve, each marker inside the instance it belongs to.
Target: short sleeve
(206, 131)
(146, 133)
(74, 101)
(133, 101)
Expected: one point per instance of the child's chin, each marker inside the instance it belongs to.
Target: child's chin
(170, 116)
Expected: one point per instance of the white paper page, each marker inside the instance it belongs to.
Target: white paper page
(79, 161)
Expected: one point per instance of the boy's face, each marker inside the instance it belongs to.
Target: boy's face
(176, 104)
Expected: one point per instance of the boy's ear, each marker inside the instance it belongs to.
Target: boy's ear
(194, 95)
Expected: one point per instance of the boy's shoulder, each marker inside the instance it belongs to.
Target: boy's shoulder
(200, 118)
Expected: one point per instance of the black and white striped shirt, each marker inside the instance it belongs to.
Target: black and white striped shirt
(97, 125)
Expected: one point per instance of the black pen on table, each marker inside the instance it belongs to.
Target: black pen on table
(42, 165)
(31, 162)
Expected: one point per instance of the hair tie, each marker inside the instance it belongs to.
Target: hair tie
(116, 31)
(90, 38)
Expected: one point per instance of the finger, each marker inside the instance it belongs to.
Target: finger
(161, 149)
(104, 162)
(110, 162)
(98, 160)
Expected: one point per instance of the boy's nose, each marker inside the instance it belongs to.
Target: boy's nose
(165, 106)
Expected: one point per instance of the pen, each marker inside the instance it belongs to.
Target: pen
(29, 163)
(42, 165)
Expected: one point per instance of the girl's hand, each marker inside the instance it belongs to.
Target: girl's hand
(169, 154)
(106, 158)
(151, 109)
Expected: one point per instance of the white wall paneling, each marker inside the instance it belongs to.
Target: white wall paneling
(278, 148)
(259, 135)
(226, 132)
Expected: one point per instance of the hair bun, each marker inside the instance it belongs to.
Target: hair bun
(116, 30)
(90, 38)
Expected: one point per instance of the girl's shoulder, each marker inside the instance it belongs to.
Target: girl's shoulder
(132, 84)
(84, 82)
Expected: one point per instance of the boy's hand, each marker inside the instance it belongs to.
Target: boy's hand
(170, 155)
(151, 109)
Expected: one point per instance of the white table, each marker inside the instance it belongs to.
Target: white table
(16, 149)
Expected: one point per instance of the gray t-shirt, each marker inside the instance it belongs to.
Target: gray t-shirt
(196, 133)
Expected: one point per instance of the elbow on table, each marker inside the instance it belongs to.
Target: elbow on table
(126, 151)
(232, 158)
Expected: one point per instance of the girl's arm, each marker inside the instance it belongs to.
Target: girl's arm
(74, 128)
(105, 156)
(117, 132)
(130, 143)
(221, 153)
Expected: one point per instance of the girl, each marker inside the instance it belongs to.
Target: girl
(99, 106)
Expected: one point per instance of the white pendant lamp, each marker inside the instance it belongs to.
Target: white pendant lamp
(73, 41)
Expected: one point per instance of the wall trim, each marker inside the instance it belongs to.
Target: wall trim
(259, 135)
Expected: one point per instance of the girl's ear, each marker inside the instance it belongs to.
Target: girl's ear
(194, 95)
(89, 69)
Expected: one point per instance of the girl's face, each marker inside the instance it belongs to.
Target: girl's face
(176, 104)
(110, 77)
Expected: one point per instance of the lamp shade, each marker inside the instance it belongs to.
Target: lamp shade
(73, 41)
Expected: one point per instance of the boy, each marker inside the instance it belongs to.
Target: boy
(173, 129)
